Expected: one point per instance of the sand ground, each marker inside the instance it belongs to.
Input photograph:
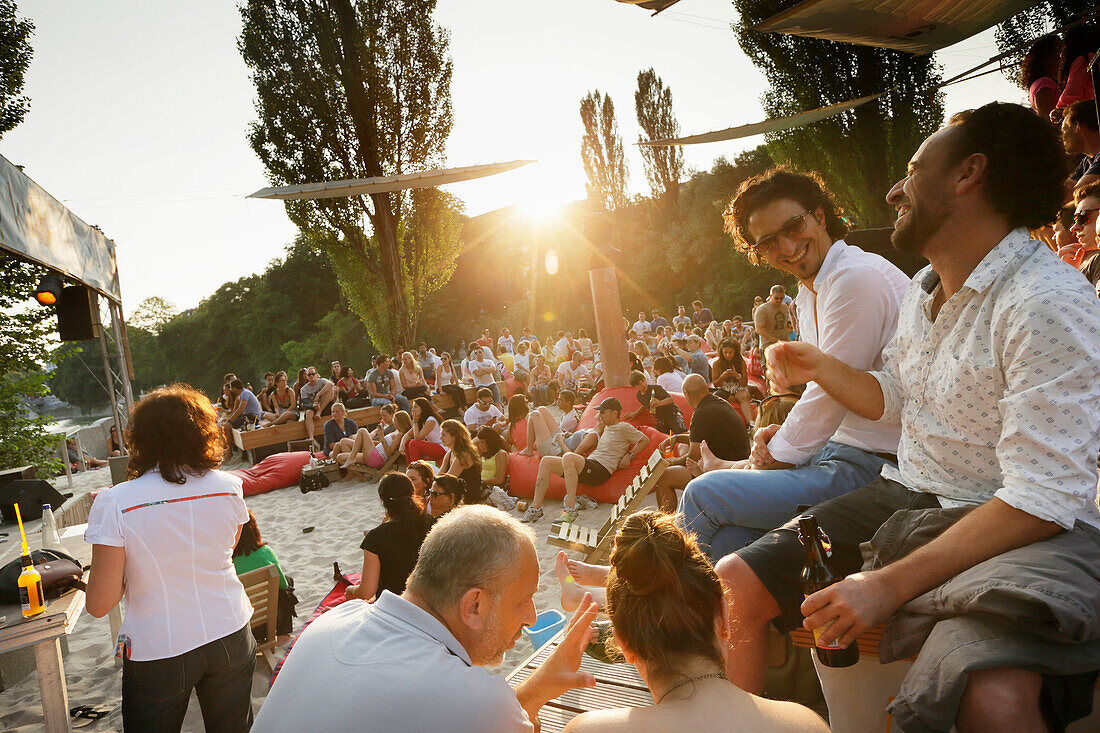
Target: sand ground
(339, 514)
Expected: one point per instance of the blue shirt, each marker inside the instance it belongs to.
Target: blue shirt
(334, 432)
(251, 404)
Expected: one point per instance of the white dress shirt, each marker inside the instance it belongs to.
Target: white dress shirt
(852, 316)
(998, 396)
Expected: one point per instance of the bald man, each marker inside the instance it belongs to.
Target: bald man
(715, 421)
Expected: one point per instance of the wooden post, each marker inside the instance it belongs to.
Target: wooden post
(51, 684)
(609, 327)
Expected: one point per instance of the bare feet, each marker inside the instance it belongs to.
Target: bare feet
(711, 462)
(571, 592)
(586, 574)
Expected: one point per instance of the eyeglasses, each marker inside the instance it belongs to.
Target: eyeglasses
(432, 493)
(790, 229)
(1081, 218)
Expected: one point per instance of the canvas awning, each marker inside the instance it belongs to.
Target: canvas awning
(386, 184)
(916, 26)
(759, 128)
(655, 5)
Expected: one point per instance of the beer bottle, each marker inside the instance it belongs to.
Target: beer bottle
(31, 599)
(816, 574)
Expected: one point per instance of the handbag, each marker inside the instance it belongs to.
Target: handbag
(313, 481)
(60, 573)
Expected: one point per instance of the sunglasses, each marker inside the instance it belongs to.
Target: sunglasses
(432, 493)
(1081, 218)
(790, 229)
(311, 374)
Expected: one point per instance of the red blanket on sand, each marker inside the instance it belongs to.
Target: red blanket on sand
(329, 602)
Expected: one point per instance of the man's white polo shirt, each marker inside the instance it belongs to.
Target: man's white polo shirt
(386, 666)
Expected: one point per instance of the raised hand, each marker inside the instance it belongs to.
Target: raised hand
(793, 362)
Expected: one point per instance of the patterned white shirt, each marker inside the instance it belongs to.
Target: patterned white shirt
(998, 397)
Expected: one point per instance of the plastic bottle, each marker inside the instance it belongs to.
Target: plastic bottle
(51, 540)
(31, 599)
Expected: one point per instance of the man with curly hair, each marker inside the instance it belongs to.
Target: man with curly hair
(982, 544)
(848, 304)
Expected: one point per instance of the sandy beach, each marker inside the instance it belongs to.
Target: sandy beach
(338, 515)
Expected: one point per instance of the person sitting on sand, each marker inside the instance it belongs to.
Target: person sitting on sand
(390, 549)
(76, 453)
(483, 412)
(618, 444)
(669, 619)
(375, 455)
(421, 474)
(462, 460)
(114, 445)
(494, 468)
(426, 437)
(653, 398)
(444, 494)
(339, 431)
(515, 426)
(416, 661)
(252, 553)
(551, 438)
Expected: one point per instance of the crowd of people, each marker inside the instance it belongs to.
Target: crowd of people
(945, 424)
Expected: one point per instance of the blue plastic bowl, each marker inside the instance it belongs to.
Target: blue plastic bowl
(547, 625)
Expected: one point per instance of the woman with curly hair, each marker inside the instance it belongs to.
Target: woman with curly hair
(390, 549)
(163, 541)
(669, 619)
(1039, 74)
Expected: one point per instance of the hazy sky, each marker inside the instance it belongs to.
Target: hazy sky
(139, 112)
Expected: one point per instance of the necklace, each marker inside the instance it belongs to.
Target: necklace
(681, 683)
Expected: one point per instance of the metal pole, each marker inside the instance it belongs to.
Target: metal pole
(123, 344)
(102, 332)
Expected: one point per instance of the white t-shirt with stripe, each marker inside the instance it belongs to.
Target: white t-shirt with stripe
(181, 588)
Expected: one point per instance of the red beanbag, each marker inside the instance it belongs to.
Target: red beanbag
(628, 396)
(274, 472)
(522, 471)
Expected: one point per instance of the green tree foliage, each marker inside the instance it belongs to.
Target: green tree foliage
(152, 313)
(24, 332)
(15, 58)
(602, 151)
(78, 376)
(664, 166)
(356, 89)
(1028, 25)
(862, 152)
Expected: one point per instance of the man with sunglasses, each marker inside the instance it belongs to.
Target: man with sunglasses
(315, 399)
(848, 303)
(1087, 260)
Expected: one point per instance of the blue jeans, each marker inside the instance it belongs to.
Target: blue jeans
(400, 400)
(729, 509)
(155, 693)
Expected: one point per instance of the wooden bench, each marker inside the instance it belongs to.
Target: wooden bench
(371, 475)
(248, 440)
(596, 543)
(262, 587)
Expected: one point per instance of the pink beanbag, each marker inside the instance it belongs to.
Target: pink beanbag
(522, 471)
(274, 472)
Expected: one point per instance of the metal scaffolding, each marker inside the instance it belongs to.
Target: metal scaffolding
(110, 329)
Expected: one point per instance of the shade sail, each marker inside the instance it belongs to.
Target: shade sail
(386, 184)
(655, 5)
(36, 226)
(759, 128)
(916, 26)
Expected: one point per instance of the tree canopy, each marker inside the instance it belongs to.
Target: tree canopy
(357, 89)
(664, 166)
(863, 151)
(602, 151)
(15, 59)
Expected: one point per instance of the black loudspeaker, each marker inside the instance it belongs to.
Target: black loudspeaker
(74, 314)
(30, 495)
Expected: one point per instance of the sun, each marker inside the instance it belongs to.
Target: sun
(539, 209)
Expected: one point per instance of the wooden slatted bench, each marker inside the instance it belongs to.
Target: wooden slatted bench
(596, 543)
(262, 587)
(371, 475)
(249, 440)
(617, 686)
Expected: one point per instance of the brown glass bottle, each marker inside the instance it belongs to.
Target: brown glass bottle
(817, 574)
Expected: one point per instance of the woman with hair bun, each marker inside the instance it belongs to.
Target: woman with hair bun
(669, 619)
(390, 550)
(444, 494)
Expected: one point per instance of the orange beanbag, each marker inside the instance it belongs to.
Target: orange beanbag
(274, 472)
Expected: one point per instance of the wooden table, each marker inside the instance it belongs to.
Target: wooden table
(45, 631)
(617, 686)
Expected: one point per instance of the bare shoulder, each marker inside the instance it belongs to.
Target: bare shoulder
(784, 717)
(604, 721)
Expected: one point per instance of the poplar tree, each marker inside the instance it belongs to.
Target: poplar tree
(358, 89)
(664, 166)
(602, 151)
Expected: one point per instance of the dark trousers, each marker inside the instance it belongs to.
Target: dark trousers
(155, 693)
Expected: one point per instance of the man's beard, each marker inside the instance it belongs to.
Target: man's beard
(920, 226)
(491, 648)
